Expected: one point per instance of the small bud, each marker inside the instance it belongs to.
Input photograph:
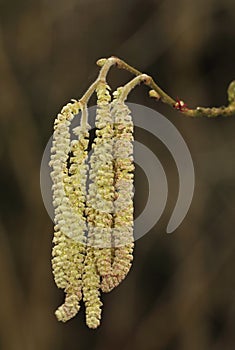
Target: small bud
(101, 62)
(154, 94)
(231, 92)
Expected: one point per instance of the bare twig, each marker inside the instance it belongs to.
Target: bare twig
(159, 94)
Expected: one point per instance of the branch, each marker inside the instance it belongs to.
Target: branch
(157, 93)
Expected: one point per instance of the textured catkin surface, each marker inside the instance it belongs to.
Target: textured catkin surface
(69, 202)
(123, 204)
(91, 290)
(93, 239)
(101, 189)
(99, 207)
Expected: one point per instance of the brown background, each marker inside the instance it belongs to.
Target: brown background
(179, 294)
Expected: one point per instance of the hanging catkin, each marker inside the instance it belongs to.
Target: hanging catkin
(69, 202)
(93, 238)
(123, 184)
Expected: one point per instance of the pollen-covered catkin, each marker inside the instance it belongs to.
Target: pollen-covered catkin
(69, 216)
(101, 189)
(123, 203)
(73, 289)
(93, 233)
(69, 202)
(91, 289)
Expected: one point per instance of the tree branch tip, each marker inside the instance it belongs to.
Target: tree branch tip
(231, 92)
(100, 62)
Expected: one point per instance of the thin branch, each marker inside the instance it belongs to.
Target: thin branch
(106, 64)
(159, 94)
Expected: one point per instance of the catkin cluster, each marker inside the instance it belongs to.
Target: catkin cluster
(93, 201)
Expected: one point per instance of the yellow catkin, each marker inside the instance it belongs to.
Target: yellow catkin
(73, 272)
(69, 202)
(123, 205)
(84, 266)
(60, 264)
(91, 293)
(101, 189)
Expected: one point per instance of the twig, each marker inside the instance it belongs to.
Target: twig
(159, 94)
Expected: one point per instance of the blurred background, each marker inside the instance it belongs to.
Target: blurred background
(179, 294)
